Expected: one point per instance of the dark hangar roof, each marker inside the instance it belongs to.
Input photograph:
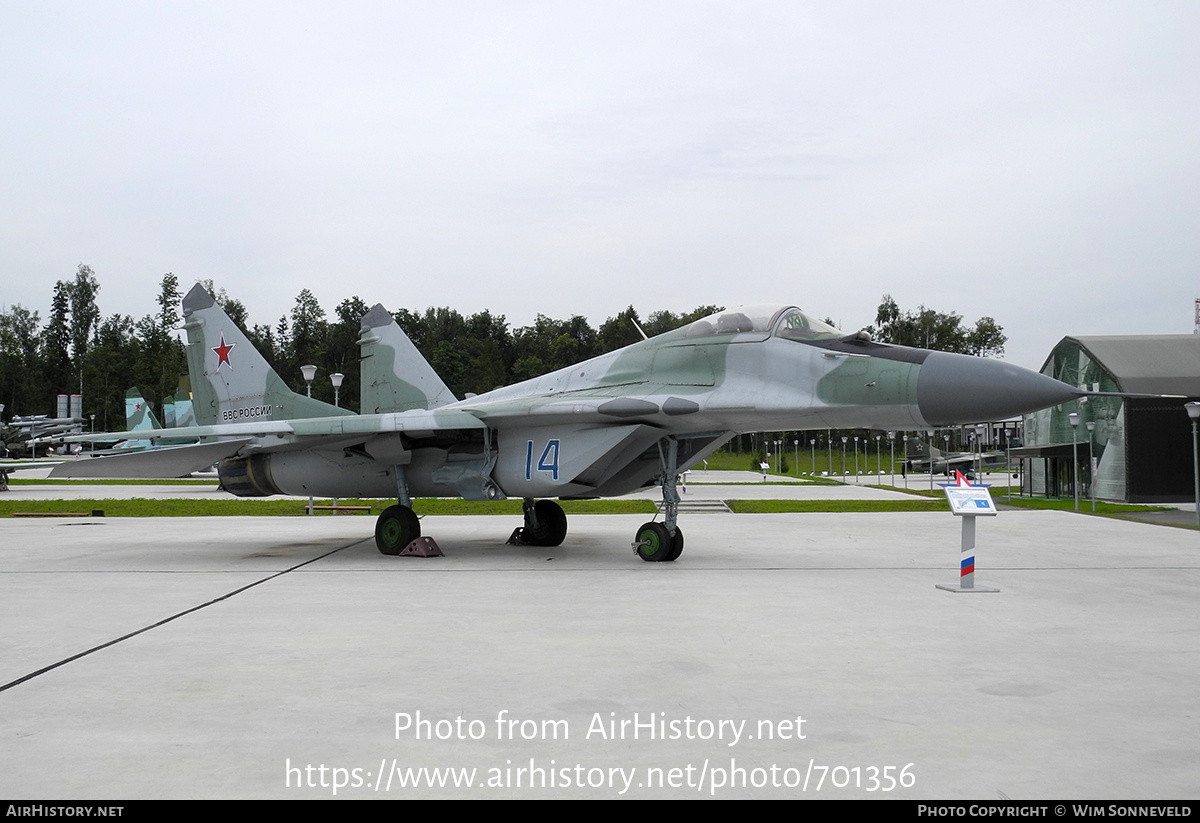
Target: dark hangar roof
(1152, 363)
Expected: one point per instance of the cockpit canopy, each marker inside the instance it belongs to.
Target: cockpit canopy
(787, 322)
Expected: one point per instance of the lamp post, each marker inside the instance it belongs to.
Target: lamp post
(336, 379)
(829, 449)
(1193, 410)
(844, 439)
(1008, 463)
(812, 444)
(1091, 427)
(971, 439)
(796, 447)
(878, 460)
(309, 373)
(856, 458)
(931, 441)
(1073, 417)
(945, 455)
(892, 468)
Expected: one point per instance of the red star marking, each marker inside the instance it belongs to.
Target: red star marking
(222, 351)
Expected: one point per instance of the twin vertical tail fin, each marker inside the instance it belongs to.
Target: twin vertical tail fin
(232, 382)
(395, 377)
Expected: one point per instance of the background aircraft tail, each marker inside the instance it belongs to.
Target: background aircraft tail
(177, 411)
(395, 377)
(138, 414)
(232, 382)
(917, 449)
(182, 410)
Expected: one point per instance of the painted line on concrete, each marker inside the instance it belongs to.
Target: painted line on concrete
(173, 617)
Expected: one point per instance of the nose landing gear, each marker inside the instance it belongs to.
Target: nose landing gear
(663, 542)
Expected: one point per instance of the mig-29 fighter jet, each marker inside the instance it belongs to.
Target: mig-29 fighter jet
(605, 427)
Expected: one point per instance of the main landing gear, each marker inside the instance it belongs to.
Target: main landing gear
(398, 525)
(663, 542)
(396, 528)
(545, 524)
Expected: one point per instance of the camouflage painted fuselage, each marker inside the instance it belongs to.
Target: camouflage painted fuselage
(596, 429)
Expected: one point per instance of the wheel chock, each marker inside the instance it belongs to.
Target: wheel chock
(422, 547)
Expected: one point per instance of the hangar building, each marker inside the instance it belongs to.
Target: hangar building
(1141, 448)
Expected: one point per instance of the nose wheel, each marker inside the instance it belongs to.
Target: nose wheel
(663, 542)
(655, 544)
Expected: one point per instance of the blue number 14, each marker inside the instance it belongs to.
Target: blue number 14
(548, 462)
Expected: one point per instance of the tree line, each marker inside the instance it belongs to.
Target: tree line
(79, 350)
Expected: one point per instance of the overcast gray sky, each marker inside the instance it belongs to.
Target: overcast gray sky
(1038, 162)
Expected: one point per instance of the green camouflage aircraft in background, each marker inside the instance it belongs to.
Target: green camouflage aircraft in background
(922, 456)
(605, 427)
(140, 420)
(138, 414)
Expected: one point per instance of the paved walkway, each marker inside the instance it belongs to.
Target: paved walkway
(285, 657)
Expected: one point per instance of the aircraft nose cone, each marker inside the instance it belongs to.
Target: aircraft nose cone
(957, 388)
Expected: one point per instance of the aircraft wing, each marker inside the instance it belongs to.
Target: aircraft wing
(264, 436)
(17, 465)
(230, 439)
(416, 421)
(172, 461)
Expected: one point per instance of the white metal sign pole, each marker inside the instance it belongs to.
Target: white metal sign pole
(968, 502)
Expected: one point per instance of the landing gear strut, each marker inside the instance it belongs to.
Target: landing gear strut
(398, 525)
(663, 542)
(545, 524)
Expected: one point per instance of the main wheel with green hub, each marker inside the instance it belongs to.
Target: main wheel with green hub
(396, 528)
(654, 543)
